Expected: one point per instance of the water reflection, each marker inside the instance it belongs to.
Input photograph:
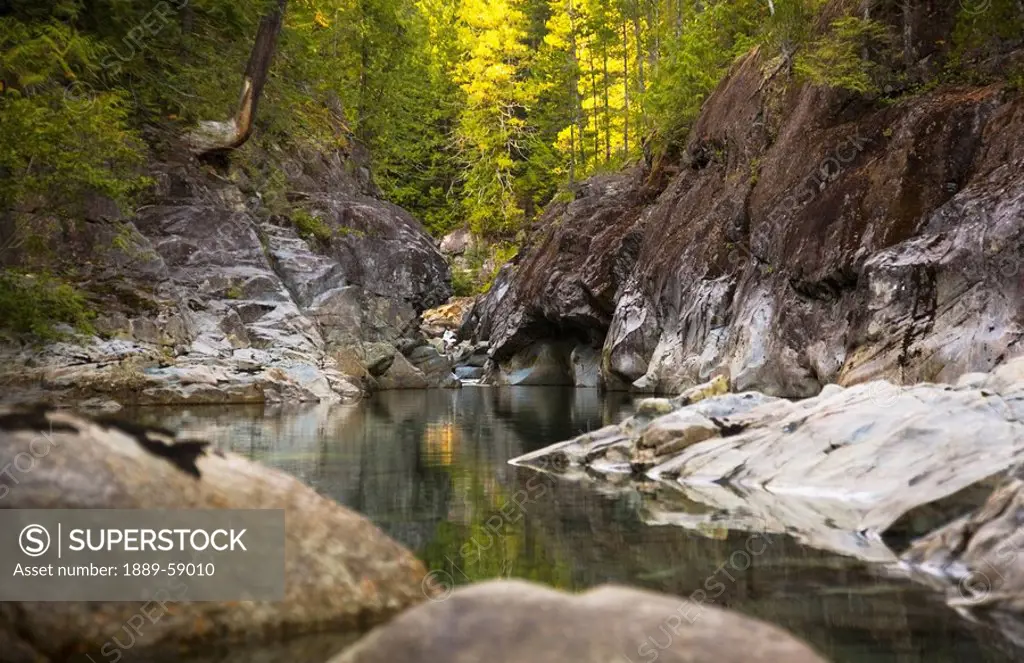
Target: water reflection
(431, 469)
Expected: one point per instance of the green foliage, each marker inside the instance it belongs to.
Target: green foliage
(483, 262)
(311, 227)
(33, 304)
(475, 112)
(984, 27)
(463, 283)
(60, 140)
(695, 60)
(836, 59)
(792, 25)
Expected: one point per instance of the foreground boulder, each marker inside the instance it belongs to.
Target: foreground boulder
(826, 469)
(341, 572)
(978, 558)
(519, 622)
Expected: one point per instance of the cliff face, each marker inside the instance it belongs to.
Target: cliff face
(804, 237)
(206, 295)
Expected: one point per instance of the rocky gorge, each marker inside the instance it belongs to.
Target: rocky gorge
(817, 300)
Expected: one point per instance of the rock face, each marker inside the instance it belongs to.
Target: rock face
(209, 297)
(519, 622)
(341, 571)
(828, 469)
(804, 237)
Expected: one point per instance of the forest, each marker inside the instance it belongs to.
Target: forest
(476, 113)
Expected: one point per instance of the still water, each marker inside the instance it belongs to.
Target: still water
(430, 468)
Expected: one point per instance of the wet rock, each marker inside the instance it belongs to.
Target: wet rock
(978, 558)
(519, 622)
(831, 470)
(586, 366)
(341, 571)
(208, 272)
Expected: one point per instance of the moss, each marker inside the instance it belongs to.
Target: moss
(311, 227)
(345, 231)
(32, 305)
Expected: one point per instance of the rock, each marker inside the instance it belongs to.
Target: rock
(835, 471)
(540, 364)
(434, 366)
(654, 407)
(977, 558)
(341, 571)
(520, 622)
(784, 253)
(586, 366)
(716, 387)
(402, 375)
(477, 359)
(456, 242)
(377, 357)
(677, 431)
(205, 272)
(469, 372)
(447, 317)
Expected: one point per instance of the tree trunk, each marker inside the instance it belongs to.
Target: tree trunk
(574, 82)
(597, 116)
(640, 64)
(214, 136)
(625, 89)
(607, 113)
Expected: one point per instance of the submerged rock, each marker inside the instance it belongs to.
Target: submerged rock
(341, 571)
(519, 622)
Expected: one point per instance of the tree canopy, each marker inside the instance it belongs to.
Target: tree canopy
(475, 112)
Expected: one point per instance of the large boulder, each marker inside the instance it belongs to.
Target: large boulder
(341, 572)
(519, 622)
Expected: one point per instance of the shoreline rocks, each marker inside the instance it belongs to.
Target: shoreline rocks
(978, 560)
(836, 470)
